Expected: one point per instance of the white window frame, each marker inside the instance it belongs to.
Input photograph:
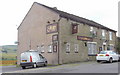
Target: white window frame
(67, 47)
(50, 48)
(91, 29)
(76, 48)
(103, 34)
(92, 52)
(111, 47)
(110, 35)
(93, 32)
(42, 47)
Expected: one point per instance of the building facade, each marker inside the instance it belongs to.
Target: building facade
(118, 44)
(62, 37)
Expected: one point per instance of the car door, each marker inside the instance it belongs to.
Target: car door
(41, 59)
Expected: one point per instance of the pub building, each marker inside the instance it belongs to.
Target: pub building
(62, 37)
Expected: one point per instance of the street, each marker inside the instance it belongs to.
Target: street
(81, 67)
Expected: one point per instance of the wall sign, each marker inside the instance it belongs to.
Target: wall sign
(55, 37)
(52, 28)
(74, 28)
(84, 38)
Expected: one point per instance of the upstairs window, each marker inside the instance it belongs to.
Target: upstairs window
(91, 29)
(93, 32)
(110, 35)
(74, 28)
(103, 34)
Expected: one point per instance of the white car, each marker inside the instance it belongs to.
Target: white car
(109, 56)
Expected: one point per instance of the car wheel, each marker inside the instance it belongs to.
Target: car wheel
(98, 61)
(45, 64)
(119, 59)
(23, 67)
(110, 60)
(34, 65)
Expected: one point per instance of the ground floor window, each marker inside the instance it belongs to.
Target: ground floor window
(50, 48)
(67, 47)
(42, 49)
(76, 48)
(110, 47)
(92, 48)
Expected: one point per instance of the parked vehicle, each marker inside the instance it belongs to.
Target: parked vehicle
(32, 58)
(109, 56)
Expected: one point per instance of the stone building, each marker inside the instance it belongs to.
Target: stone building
(118, 44)
(62, 37)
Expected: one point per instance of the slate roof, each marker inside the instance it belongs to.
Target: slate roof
(77, 18)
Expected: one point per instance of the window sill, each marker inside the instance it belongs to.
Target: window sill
(76, 52)
(49, 52)
(67, 52)
(92, 54)
(42, 52)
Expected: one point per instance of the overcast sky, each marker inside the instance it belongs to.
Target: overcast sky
(12, 13)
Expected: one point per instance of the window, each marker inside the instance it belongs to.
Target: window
(42, 49)
(41, 56)
(110, 35)
(76, 48)
(103, 34)
(93, 32)
(68, 48)
(50, 48)
(110, 47)
(91, 29)
(74, 28)
(92, 48)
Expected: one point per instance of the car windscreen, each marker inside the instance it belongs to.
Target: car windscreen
(103, 52)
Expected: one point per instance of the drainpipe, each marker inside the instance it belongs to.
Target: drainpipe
(58, 41)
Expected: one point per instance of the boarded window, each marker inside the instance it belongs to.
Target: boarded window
(74, 28)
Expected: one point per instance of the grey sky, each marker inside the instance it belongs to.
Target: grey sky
(12, 12)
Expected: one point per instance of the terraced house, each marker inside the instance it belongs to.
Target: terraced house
(62, 37)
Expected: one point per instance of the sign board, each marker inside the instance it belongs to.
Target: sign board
(52, 28)
(55, 37)
(84, 38)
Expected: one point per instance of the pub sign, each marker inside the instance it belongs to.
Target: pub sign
(52, 28)
(84, 38)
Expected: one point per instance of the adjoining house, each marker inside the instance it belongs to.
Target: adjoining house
(62, 37)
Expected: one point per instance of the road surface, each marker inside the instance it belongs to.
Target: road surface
(82, 67)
